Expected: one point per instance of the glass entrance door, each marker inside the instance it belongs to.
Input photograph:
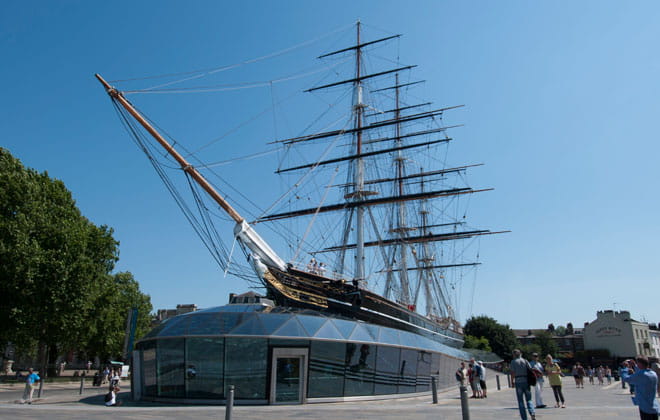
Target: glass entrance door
(288, 376)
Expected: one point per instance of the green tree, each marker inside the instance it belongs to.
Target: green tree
(105, 333)
(500, 337)
(560, 331)
(479, 343)
(529, 349)
(546, 344)
(54, 264)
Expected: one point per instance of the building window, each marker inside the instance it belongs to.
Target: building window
(637, 334)
(170, 368)
(387, 370)
(245, 367)
(360, 365)
(204, 367)
(327, 362)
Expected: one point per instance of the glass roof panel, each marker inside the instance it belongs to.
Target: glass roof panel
(389, 336)
(311, 323)
(346, 327)
(251, 325)
(176, 326)
(291, 328)
(328, 330)
(274, 321)
(360, 333)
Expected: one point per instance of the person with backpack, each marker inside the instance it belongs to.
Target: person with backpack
(519, 377)
(462, 375)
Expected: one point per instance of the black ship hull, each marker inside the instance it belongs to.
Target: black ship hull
(300, 289)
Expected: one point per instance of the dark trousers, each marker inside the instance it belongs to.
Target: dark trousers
(647, 416)
(559, 396)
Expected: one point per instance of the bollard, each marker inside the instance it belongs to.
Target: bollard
(497, 379)
(41, 386)
(230, 403)
(464, 403)
(82, 384)
(508, 380)
(434, 390)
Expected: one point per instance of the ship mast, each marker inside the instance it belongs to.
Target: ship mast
(359, 171)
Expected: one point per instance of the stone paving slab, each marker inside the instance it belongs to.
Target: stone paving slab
(590, 403)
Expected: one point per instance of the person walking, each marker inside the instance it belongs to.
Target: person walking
(482, 379)
(537, 367)
(645, 382)
(462, 375)
(608, 374)
(553, 371)
(30, 382)
(519, 367)
(580, 375)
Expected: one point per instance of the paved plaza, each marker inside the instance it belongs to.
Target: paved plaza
(63, 401)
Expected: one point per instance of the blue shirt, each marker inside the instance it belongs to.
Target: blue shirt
(32, 378)
(646, 385)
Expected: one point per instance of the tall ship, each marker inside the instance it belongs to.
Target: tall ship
(368, 221)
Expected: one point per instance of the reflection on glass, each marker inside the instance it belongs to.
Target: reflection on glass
(204, 368)
(326, 369)
(360, 365)
(408, 371)
(245, 367)
(170, 367)
(423, 371)
(149, 368)
(387, 370)
(287, 386)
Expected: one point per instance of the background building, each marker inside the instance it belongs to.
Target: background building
(618, 333)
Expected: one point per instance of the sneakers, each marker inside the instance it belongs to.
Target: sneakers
(533, 416)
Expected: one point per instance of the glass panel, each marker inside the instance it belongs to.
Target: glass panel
(170, 367)
(204, 368)
(287, 385)
(328, 330)
(345, 327)
(361, 334)
(423, 371)
(326, 369)
(387, 370)
(149, 378)
(176, 326)
(408, 371)
(201, 324)
(245, 367)
(291, 328)
(252, 325)
(388, 336)
(274, 321)
(311, 323)
(361, 362)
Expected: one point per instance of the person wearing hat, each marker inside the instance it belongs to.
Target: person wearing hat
(537, 367)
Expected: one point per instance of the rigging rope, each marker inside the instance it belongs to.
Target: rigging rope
(213, 70)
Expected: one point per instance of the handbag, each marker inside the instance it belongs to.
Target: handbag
(531, 377)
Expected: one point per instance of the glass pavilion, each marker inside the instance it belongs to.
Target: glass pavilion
(275, 355)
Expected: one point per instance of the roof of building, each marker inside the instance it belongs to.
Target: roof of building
(266, 322)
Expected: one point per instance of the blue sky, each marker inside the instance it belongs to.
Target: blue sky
(561, 105)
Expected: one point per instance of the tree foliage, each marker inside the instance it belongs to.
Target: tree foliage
(501, 338)
(479, 343)
(546, 344)
(54, 262)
